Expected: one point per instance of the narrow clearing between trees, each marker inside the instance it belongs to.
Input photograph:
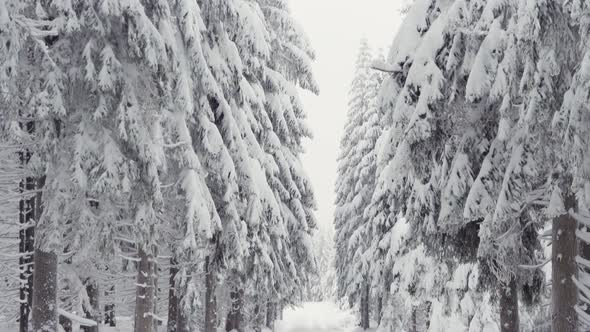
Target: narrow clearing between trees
(317, 317)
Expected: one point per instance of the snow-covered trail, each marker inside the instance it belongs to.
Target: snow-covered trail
(317, 317)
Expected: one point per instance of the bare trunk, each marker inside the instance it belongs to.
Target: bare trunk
(109, 309)
(584, 298)
(182, 321)
(45, 318)
(509, 321)
(26, 249)
(93, 313)
(271, 315)
(414, 320)
(144, 302)
(65, 323)
(564, 250)
(26, 237)
(234, 317)
(183, 317)
(365, 324)
(210, 299)
(173, 298)
(379, 312)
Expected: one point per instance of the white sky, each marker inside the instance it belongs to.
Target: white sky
(335, 28)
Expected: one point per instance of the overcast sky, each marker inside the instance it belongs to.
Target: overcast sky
(335, 28)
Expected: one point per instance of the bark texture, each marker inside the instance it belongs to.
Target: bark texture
(182, 321)
(414, 321)
(509, 321)
(365, 323)
(145, 299)
(234, 317)
(109, 308)
(173, 299)
(564, 250)
(45, 318)
(584, 299)
(93, 313)
(26, 238)
(271, 314)
(210, 299)
(379, 312)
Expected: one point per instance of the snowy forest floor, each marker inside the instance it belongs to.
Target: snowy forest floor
(317, 317)
(311, 317)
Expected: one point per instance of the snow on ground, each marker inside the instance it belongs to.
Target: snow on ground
(317, 317)
(311, 317)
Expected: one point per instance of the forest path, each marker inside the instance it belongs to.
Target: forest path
(317, 317)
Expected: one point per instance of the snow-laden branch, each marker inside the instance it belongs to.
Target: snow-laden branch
(534, 267)
(75, 318)
(384, 67)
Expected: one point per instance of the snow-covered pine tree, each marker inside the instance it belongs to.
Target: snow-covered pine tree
(356, 183)
(288, 69)
(16, 136)
(520, 169)
(442, 133)
(570, 129)
(322, 286)
(31, 36)
(113, 93)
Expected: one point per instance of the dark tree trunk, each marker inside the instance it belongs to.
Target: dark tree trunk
(144, 300)
(428, 312)
(92, 290)
(564, 250)
(210, 299)
(379, 312)
(45, 318)
(109, 309)
(234, 317)
(584, 298)
(27, 218)
(509, 321)
(157, 290)
(65, 323)
(173, 298)
(365, 323)
(26, 249)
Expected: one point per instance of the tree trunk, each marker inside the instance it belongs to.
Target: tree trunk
(26, 249)
(584, 299)
(182, 320)
(144, 301)
(173, 298)
(26, 237)
(92, 290)
(109, 309)
(379, 312)
(45, 318)
(65, 323)
(509, 321)
(365, 324)
(210, 299)
(414, 322)
(271, 315)
(234, 317)
(564, 250)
